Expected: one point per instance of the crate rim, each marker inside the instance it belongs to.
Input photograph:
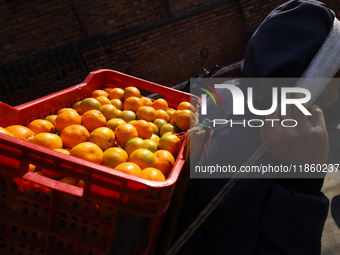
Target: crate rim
(95, 168)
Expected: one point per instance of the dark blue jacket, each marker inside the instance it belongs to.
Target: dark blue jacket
(262, 216)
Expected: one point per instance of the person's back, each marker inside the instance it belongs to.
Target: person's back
(270, 216)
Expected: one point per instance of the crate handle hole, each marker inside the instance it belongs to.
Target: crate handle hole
(70, 247)
(62, 223)
(94, 233)
(84, 230)
(36, 215)
(73, 226)
(75, 205)
(14, 229)
(14, 185)
(24, 232)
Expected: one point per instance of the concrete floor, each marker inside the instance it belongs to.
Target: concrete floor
(331, 234)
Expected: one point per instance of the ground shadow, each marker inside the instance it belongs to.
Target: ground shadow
(335, 209)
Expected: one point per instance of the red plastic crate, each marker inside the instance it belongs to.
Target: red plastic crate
(115, 213)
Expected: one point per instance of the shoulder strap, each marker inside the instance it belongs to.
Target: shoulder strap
(214, 203)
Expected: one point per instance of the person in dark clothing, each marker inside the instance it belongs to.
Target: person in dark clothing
(299, 39)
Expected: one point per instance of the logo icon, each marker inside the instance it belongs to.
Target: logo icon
(204, 96)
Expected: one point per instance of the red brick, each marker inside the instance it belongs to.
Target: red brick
(62, 6)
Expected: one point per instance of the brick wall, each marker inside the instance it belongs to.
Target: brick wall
(170, 54)
(158, 40)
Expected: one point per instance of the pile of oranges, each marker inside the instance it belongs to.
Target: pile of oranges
(113, 127)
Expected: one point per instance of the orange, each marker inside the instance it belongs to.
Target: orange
(107, 89)
(88, 151)
(186, 106)
(144, 128)
(74, 135)
(53, 174)
(114, 156)
(131, 92)
(67, 118)
(129, 168)
(76, 106)
(152, 145)
(147, 113)
(166, 128)
(21, 132)
(41, 126)
(134, 144)
(132, 103)
(114, 123)
(4, 131)
(118, 104)
(170, 143)
(69, 180)
(164, 161)
(160, 104)
(65, 109)
(103, 137)
(161, 114)
(31, 168)
(103, 100)
(152, 174)
(174, 115)
(93, 119)
(154, 127)
(109, 111)
(99, 93)
(116, 93)
(159, 123)
(48, 140)
(41, 173)
(66, 149)
(89, 104)
(146, 101)
(124, 133)
(51, 118)
(132, 121)
(185, 119)
(80, 184)
(143, 158)
(170, 112)
(127, 115)
(155, 138)
(63, 150)
(169, 133)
